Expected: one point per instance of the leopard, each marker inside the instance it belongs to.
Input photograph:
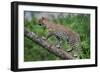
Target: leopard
(65, 33)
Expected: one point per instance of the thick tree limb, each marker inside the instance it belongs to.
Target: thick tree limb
(51, 48)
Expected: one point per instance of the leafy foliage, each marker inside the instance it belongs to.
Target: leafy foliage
(79, 23)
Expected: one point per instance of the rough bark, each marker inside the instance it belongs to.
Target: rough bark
(46, 45)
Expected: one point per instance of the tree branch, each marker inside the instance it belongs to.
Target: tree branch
(46, 45)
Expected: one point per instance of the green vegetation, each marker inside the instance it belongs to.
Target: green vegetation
(79, 23)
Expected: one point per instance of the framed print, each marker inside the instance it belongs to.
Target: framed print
(52, 36)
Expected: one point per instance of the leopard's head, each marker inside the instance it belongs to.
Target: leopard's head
(42, 21)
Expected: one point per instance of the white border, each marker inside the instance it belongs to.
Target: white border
(22, 64)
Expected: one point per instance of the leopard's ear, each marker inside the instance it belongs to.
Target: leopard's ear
(44, 18)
